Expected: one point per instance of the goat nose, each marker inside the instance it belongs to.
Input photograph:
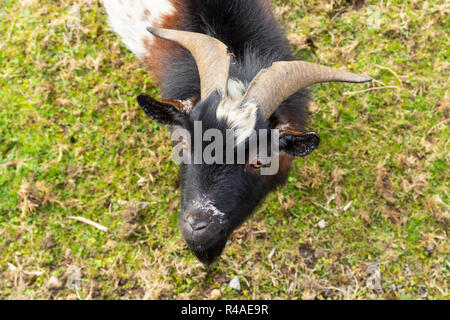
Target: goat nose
(198, 227)
(197, 224)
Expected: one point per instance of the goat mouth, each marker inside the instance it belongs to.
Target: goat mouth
(205, 230)
(207, 253)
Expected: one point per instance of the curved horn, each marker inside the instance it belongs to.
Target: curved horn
(275, 84)
(211, 56)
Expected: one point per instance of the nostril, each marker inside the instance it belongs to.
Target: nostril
(196, 225)
(200, 225)
(191, 221)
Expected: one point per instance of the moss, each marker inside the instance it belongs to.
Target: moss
(69, 123)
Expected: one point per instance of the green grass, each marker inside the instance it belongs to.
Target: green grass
(73, 142)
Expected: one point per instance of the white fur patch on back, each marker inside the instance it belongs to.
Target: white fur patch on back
(130, 18)
(242, 119)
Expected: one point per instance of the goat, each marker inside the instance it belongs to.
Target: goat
(227, 65)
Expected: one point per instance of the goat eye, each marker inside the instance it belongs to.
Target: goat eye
(257, 165)
(260, 163)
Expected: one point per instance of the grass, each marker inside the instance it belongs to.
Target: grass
(74, 143)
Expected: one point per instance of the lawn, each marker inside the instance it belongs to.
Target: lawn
(366, 216)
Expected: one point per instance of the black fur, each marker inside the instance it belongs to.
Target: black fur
(251, 33)
(299, 145)
(161, 112)
(256, 40)
(233, 190)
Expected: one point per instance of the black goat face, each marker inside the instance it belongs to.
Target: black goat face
(218, 195)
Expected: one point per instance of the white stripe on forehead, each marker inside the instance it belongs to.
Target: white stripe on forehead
(236, 89)
(242, 119)
(207, 205)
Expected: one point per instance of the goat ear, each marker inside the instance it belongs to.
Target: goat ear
(298, 144)
(165, 112)
(182, 105)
